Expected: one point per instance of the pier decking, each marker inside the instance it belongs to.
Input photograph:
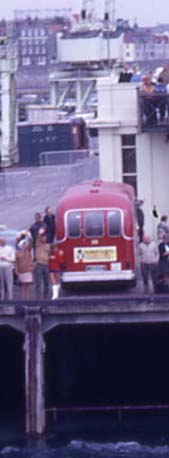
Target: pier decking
(33, 319)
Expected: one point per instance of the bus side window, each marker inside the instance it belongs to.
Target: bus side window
(114, 223)
(73, 223)
(94, 224)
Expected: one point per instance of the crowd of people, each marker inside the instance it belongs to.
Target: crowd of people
(155, 101)
(154, 87)
(37, 261)
(154, 258)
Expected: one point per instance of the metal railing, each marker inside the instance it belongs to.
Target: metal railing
(62, 157)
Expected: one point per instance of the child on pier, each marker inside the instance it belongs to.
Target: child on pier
(56, 261)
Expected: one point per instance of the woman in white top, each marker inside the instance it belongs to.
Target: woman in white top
(7, 258)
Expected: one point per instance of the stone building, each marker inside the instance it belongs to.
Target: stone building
(8, 110)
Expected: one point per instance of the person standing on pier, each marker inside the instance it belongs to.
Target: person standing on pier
(24, 263)
(163, 264)
(49, 220)
(56, 262)
(140, 219)
(7, 258)
(163, 225)
(42, 252)
(149, 256)
(34, 228)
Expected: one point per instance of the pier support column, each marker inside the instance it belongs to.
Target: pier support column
(34, 374)
(79, 96)
(54, 93)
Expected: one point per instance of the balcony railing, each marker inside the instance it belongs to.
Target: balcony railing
(153, 112)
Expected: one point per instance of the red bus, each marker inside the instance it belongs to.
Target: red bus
(95, 227)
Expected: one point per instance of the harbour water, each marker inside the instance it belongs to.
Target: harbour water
(133, 437)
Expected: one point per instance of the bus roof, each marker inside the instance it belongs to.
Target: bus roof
(96, 193)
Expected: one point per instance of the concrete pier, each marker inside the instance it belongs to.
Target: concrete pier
(35, 319)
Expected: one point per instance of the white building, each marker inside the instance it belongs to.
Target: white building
(8, 129)
(129, 49)
(130, 153)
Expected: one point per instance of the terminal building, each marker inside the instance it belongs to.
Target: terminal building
(133, 149)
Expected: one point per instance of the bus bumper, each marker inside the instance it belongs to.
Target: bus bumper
(108, 276)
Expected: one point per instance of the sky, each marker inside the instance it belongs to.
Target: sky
(147, 12)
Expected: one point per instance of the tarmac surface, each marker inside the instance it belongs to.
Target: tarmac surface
(24, 191)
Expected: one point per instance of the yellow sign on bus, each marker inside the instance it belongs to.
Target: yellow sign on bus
(95, 254)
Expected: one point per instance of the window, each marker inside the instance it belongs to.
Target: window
(73, 222)
(93, 224)
(114, 223)
(129, 160)
(23, 50)
(26, 61)
(41, 60)
(129, 166)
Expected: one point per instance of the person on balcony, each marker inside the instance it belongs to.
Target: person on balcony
(163, 72)
(148, 107)
(160, 100)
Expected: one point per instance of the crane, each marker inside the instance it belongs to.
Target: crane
(109, 11)
(87, 10)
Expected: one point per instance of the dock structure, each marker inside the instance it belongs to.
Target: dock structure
(34, 319)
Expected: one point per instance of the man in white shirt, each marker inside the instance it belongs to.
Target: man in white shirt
(7, 258)
(149, 255)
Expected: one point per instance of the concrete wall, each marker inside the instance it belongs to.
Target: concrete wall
(117, 102)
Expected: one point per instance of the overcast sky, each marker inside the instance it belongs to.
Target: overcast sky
(147, 12)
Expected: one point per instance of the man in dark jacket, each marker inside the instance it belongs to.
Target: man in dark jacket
(49, 220)
(140, 219)
(34, 229)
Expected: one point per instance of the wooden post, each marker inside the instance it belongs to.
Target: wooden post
(34, 373)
